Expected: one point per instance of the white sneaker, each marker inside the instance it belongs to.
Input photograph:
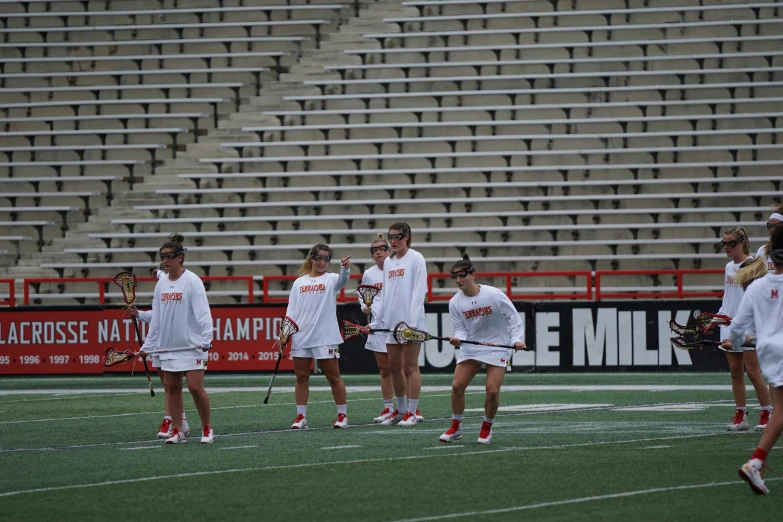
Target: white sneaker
(739, 422)
(300, 422)
(207, 435)
(485, 435)
(394, 418)
(185, 427)
(453, 433)
(385, 414)
(341, 421)
(418, 416)
(751, 474)
(164, 430)
(408, 420)
(177, 437)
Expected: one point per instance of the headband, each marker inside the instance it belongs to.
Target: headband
(777, 216)
(776, 256)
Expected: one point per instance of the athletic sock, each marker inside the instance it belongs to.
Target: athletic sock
(183, 416)
(388, 404)
(167, 417)
(766, 408)
(342, 408)
(412, 405)
(760, 455)
(457, 417)
(743, 408)
(301, 410)
(487, 419)
(401, 407)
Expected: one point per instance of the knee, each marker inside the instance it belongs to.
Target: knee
(384, 371)
(457, 389)
(334, 380)
(737, 372)
(302, 378)
(493, 394)
(395, 367)
(410, 368)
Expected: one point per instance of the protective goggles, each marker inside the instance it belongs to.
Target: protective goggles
(770, 226)
(319, 257)
(396, 236)
(172, 255)
(382, 248)
(462, 273)
(732, 244)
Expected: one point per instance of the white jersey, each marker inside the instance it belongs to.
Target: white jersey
(373, 276)
(313, 307)
(488, 317)
(180, 317)
(762, 307)
(404, 292)
(732, 294)
(762, 254)
(146, 316)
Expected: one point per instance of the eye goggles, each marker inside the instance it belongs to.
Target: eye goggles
(732, 244)
(319, 257)
(396, 236)
(770, 226)
(462, 273)
(382, 248)
(172, 255)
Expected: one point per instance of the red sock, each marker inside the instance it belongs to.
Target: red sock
(759, 454)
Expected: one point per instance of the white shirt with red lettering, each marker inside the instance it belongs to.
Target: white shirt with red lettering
(146, 315)
(732, 294)
(180, 317)
(312, 306)
(373, 276)
(404, 293)
(762, 254)
(762, 309)
(489, 316)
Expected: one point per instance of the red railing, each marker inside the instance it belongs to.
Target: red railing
(11, 293)
(341, 298)
(680, 293)
(102, 283)
(569, 293)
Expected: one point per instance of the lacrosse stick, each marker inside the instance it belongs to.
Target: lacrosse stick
(127, 283)
(368, 293)
(349, 330)
(707, 321)
(405, 334)
(683, 331)
(113, 357)
(287, 328)
(170, 350)
(697, 344)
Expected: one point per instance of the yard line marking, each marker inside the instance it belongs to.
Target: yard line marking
(339, 447)
(348, 462)
(140, 447)
(662, 446)
(239, 447)
(576, 501)
(446, 446)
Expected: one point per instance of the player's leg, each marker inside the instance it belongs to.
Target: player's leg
(752, 470)
(387, 388)
(463, 374)
(301, 390)
(331, 370)
(195, 380)
(173, 388)
(737, 371)
(394, 352)
(410, 367)
(495, 376)
(762, 391)
(164, 430)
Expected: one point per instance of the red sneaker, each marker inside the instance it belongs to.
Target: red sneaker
(177, 437)
(385, 414)
(207, 435)
(341, 421)
(408, 420)
(300, 422)
(164, 430)
(739, 422)
(395, 417)
(453, 433)
(763, 420)
(418, 416)
(485, 435)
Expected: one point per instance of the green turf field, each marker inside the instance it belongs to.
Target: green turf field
(592, 446)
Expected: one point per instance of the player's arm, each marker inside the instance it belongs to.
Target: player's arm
(516, 328)
(460, 330)
(202, 313)
(742, 322)
(292, 310)
(153, 335)
(419, 293)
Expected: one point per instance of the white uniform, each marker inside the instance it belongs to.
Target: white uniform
(146, 317)
(180, 317)
(762, 307)
(374, 276)
(732, 296)
(313, 307)
(403, 295)
(488, 317)
(762, 254)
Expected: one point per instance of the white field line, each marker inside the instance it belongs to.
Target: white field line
(662, 446)
(356, 461)
(609, 496)
(339, 447)
(239, 447)
(430, 388)
(141, 448)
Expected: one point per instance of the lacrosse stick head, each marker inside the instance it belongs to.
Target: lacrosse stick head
(112, 357)
(368, 293)
(127, 283)
(693, 344)
(404, 334)
(707, 321)
(349, 330)
(287, 328)
(683, 331)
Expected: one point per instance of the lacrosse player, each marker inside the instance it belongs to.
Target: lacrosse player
(761, 310)
(775, 221)
(181, 318)
(743, 359)
(373, 276)
(313, 307)
(402, 299)
(485, 314)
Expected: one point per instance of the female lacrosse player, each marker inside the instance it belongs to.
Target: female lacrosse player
(166, 427)
(181, 318)
(379, 250)
(485, 314)
(735, 245)
(774, 222)
(402, 299)
(762, 310)
(313, 307)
